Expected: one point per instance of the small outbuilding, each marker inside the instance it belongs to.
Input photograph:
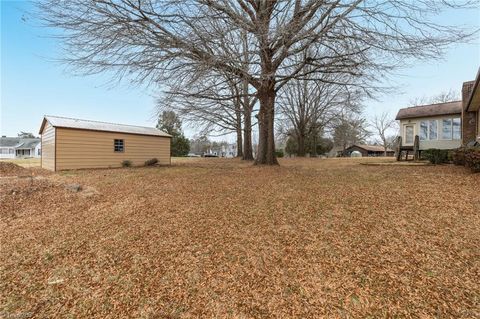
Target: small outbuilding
(69, 143)
(367, 150)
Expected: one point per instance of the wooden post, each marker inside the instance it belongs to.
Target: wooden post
(399, 148)
(416, 148)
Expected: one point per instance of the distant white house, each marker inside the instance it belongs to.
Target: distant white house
(225, 150)
(17, 147)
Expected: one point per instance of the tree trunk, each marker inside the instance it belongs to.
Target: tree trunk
(313, 153)
(239, 143)
(301, 144)
(247, 136)
(238, 114)
(266, 138)
(247, 124)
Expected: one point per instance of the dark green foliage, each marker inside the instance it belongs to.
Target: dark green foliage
(435, 156)
(458, 156)
(126, 163)
(151, 162)
(472, 159)
(467, 156)
(279, 153)
(180, 145)
(170, 123)
(291, 146)
(323, 144)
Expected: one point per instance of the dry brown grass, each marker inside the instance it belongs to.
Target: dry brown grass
(24, 162)
(224, 239)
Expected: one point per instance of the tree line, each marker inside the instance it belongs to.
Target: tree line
(235, 64)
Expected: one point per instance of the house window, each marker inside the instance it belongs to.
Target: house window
(423, 130)
(11, 151)
(4, 151)
(447, 129)
(39, 152)
(428, 130)
(432, 132)
(118, 145)
(451, 129)
(456, 128)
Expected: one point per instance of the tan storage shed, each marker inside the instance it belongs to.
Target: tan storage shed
(69, 143)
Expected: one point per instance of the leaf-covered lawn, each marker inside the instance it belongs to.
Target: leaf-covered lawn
(224, 239)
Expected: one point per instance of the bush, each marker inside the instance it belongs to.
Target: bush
(151, 162)
(435, 156)
(279, 153)
(458, 156)
(472, 159)
(126, 163)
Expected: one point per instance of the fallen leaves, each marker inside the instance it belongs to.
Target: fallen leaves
(11, 169)
(222, 238)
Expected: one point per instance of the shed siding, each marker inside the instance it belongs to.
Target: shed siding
(94, 149)
(48, 147)
(439, 143)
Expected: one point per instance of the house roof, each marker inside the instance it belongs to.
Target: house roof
(371, 148)
(18, 142)
(66, 122)
(430, 110)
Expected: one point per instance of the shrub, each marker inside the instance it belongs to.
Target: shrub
(458, 156)
(151, 162)
(126, 163)
(279, 153)
(472, 159)
(435, 156)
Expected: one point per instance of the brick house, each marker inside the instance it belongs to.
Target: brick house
(471, 111)
(445, 125)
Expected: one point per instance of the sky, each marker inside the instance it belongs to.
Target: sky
(32, 84)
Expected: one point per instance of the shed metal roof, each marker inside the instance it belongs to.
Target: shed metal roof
(430, 110)
(66, 122)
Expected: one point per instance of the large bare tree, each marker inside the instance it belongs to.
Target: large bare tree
(215, 104)
(151, 40)
(311, 107)
(382, 124)
(350, 129)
